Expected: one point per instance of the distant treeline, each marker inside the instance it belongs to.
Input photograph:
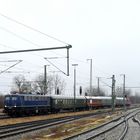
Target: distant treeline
(134, 99)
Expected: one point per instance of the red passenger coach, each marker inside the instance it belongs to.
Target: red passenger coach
(94, 103)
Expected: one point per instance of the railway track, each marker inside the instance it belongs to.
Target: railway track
(4, 116)
(11, 130)
(104, 131)
(21, 128)
(132, 129)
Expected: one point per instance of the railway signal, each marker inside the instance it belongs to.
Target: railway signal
(80, 90)
(57, 91)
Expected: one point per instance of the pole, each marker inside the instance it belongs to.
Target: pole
(98, 85)
(45, 79)
(91, 76)
(90, 83)
(113, 93)
(45, 83)
(124, 91)
(74, 86)
(67, 61)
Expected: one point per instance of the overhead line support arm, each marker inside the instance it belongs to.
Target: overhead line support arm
(41, 49)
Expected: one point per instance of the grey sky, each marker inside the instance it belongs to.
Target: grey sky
(108, 31)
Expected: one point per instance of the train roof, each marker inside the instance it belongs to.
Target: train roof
(27, 95)
(103, 97)
(68, 97)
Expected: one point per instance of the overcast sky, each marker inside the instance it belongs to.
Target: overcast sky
(108, 31)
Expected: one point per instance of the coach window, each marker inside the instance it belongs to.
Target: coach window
(25, 98)
(14, 98)
(33, 98)
(56, 101)
(36, 98)
(28, 98)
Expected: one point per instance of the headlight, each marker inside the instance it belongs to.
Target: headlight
(5, 106)
(15, 106)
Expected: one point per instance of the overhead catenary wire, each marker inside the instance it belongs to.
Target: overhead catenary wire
(24, 39)
(10, 60)
(29, 50)
(11, 66)
(55, 66)
(32, 43)
(105, 83)
(68, 45)
(31, 28)
(18, 36)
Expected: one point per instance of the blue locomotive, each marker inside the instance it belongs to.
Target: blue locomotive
(30, 104)
(17, 104)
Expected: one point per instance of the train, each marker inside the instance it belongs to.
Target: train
(29, 104)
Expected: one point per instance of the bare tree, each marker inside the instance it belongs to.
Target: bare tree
(39, 84)
(19, 82)
(135, 99)
(54, 83)
(59, 84)
(128, 92)
(119, 91)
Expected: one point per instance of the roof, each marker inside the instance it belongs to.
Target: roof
(68, 97)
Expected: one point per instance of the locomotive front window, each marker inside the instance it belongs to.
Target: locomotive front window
(7, 98)
(14, 98)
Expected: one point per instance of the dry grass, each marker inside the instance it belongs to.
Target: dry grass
(43, 117)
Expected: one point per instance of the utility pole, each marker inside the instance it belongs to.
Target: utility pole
(45, 79)
(124, 91)
(98, 82)
(90, 75)
(113, 92)
(74, 86)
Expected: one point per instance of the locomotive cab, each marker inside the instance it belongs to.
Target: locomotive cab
(11, 103)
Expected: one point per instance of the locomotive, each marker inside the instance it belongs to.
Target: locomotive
(28, 104)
